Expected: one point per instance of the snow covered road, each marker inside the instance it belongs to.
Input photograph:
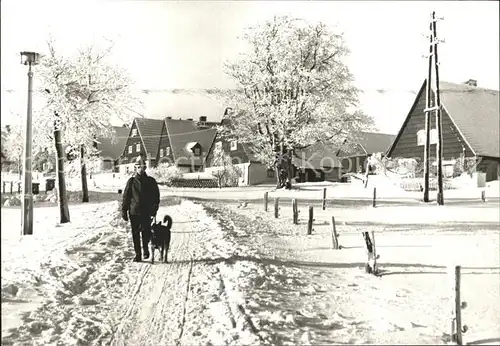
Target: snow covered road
(237, 275)
(75, 284)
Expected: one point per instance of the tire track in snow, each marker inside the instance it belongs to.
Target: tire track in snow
(139, 282)
(186, 297)
(156, 311)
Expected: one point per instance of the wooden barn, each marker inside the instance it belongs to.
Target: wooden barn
(471, 127)
(354, 155)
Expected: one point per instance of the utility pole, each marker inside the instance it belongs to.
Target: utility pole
(429, 107)
(439, 123)
(427, 112)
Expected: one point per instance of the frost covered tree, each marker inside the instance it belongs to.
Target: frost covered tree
(294, 91)
(12, 146)
(83, 93)
(226, 173)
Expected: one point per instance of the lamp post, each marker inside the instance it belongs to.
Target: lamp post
(30, 59)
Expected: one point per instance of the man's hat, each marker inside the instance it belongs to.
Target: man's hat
(139, 162)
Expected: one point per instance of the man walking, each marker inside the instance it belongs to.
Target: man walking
(141, 199)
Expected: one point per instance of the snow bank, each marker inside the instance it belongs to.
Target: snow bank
(62, 270)
(296, 290)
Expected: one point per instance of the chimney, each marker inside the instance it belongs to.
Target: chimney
(471, 82)
(203, 118)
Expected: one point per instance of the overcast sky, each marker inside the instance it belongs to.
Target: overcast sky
(182, 44)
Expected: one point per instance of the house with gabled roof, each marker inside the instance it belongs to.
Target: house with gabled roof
(143, 139)
(253, 171)
(176, 141)
(470, 124)
(185, 144)
(355, 151)
(110, 148)
(315, 163)
(318, 162)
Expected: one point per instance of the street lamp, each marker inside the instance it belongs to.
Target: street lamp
(30, 59)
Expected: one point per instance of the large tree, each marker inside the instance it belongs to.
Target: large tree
(12, 146)
(84, 93)
(294, 91)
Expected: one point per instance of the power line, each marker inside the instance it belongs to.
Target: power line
(379, 91)
(160, 136)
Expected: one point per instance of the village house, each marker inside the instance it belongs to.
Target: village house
(315, 163)
(354, 152)
(318, 162)
(110, 148)
(470, 123)
(185, 143)
(253, 172)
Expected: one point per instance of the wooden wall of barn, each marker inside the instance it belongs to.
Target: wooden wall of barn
(406, 144)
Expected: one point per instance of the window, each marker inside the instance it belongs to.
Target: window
(234, 145)
(138, 147)
(134, 132)
(421, 137)
(197, 151)
(434, 136)
(218, 145)
(270, 173)
(161, 152)
(130, 149)
(167, 151)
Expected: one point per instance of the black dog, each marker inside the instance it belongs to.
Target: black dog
(160, 237)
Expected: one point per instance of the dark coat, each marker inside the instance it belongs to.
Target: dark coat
(141, 196)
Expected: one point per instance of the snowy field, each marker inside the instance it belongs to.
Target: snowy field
(239, 276)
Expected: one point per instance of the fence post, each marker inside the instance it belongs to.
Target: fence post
(18, 187)
(295, 212)
(265, 200)
(483, 196)
(11, 187)
(374, 203)
(3, 186)
(324, 198)
(456, 326)
(310, 222)
(375, 267)
(276, 207)
(335, 240)
(371, 261)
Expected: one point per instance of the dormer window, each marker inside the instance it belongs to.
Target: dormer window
(234, 145)
(167, 151)
(161, 152)
(134, 132)
(194, 148)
